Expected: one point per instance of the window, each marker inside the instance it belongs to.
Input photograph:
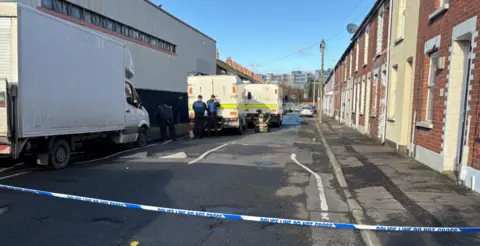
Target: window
(143, 37)
(379, 32)
(351, 64)
(432, 77)
(357, 55)
(440, 3)
(374, 96)
(96, 20)
(128, 93)
(75, 11)
(109, 24)
(354, 97)
(48, 4)
(367, 40)
(125, 30)
(87, 16)
(60, 7)
(118, 28)
(357, 96)
(133, 34)
(402, 11)
(362, 97)
(392, 92)
(154, 42)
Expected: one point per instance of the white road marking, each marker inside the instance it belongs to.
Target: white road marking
(208, 152)
(179, 155)
(321, 190)
(166, 142)
(121, 152)
(369, 237)
(8, 168)
(14, 175)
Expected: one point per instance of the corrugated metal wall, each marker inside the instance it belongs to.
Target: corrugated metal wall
(154, 69)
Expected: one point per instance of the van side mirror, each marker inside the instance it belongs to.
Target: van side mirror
(249, 95)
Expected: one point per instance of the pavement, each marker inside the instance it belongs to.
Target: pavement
(287, 173)
(396, 190)
(181, 129)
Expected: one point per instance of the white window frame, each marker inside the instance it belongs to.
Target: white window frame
(357, 54)
(357, 99)
(362, 96)
(380, 22)
(402, 13)
(367, 40)
(432, 72)
(392, 93)
(354, 97)
(351, 63)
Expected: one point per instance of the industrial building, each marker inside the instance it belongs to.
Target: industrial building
(164, 49)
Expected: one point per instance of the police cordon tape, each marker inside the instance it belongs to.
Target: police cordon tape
(243, 217)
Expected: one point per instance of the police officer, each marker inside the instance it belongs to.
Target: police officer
(212, 104)
(199, 108)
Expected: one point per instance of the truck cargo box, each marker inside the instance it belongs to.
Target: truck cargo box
(69, 80)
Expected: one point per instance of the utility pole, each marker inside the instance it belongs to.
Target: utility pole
(313, 90)
(320, 87)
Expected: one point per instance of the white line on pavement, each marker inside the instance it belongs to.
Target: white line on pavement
(8, 168)
(208, 152)
(121, 152)
(369, 237)
(14, 175)
(321, 191)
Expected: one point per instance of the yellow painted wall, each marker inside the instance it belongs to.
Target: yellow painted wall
(403, 49)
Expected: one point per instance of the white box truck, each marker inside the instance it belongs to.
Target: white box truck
(266, 97)
(229, 91)
(62, 87)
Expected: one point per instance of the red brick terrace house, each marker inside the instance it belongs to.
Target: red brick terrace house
(446, 99)
(360, 74)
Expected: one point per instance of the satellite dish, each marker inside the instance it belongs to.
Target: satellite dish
(352, 28)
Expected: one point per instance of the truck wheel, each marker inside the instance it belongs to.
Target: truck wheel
(240, 129)
(59, 156)
(142, 139)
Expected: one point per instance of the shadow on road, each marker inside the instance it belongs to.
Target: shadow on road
(38, 220)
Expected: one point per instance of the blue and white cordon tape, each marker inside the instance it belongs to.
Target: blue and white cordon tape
(244, 217)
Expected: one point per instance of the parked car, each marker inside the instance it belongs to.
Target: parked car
(313, 108)
(306, 111)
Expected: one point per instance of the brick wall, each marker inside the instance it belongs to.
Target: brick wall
(377, 90)
(458, 12)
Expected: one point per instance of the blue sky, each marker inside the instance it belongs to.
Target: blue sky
(257, 33)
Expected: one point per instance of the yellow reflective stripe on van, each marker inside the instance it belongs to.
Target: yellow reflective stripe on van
(225, 106)
(228, 106)
(269, 106)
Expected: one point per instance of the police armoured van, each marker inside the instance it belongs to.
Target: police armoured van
(229, 91)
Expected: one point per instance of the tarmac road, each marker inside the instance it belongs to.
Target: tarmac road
(285, 173)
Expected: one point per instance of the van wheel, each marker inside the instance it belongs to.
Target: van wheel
(240, 129)
(142, 139)
(59, 156)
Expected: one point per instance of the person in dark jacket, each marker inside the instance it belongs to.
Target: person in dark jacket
(213, 105)
(199, 108)
(177, 109)
(165, 119)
